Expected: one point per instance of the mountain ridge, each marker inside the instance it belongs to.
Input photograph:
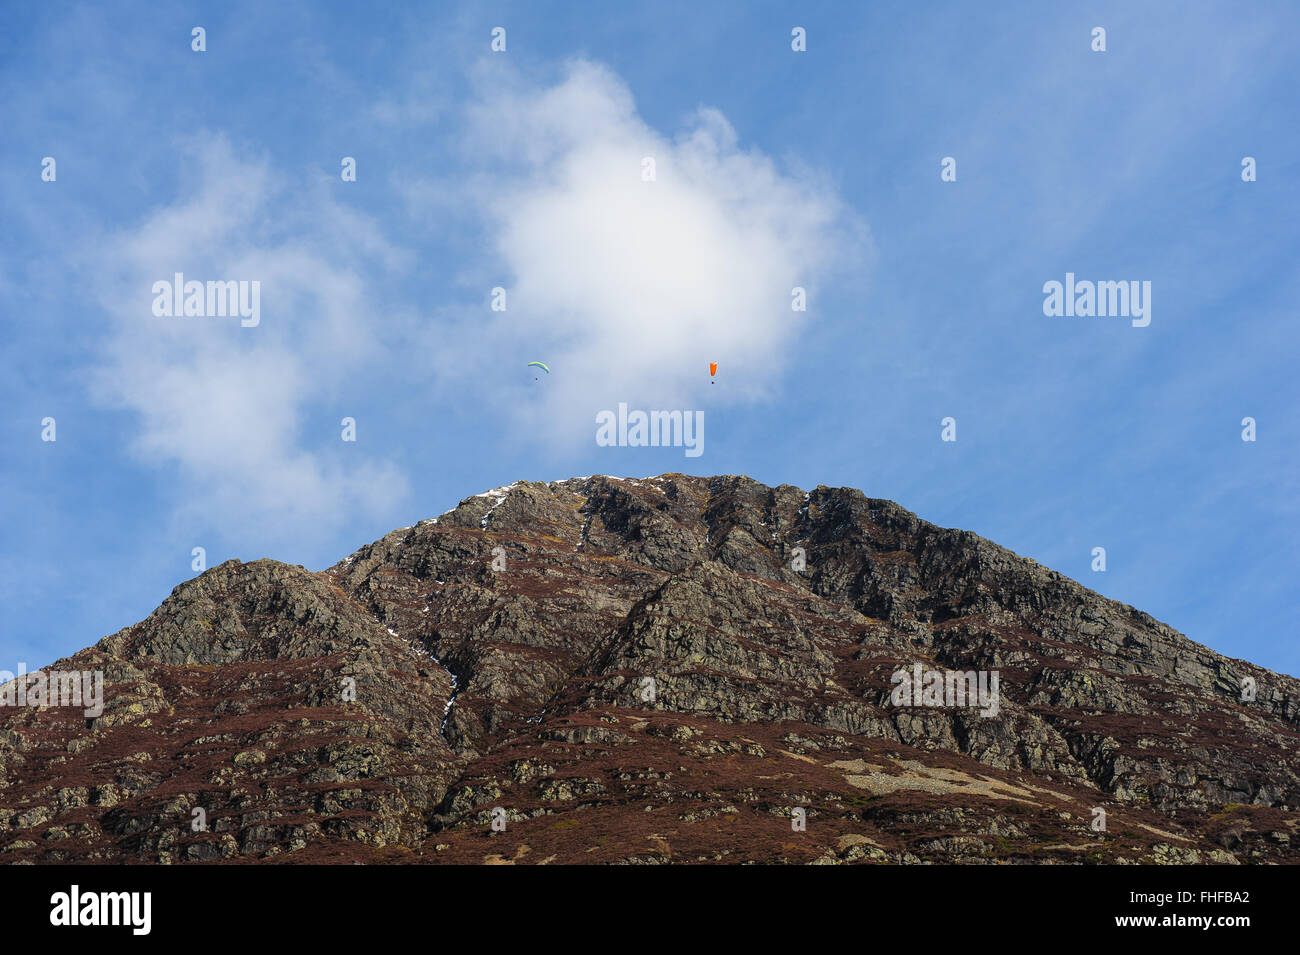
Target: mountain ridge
(498, 655)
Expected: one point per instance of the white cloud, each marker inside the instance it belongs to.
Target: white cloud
(627, 288)
(225, 404)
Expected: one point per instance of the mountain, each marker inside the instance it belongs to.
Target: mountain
(673, 669)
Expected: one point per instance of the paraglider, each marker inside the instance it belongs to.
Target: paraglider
(541, 365)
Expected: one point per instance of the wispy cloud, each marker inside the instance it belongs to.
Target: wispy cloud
(223, 404)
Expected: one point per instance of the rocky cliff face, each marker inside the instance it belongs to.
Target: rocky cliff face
(672, 669)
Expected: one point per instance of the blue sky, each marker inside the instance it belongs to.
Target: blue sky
(523, 170)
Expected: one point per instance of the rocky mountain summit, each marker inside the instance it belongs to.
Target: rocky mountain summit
(672, 669)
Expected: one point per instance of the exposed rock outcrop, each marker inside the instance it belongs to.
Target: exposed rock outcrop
(666, 669)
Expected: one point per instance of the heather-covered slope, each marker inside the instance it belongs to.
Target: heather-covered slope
(501, 656)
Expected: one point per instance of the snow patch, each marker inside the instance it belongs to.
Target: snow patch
(423, 651)
(455, 689)
(499, 491)
(497, 496)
